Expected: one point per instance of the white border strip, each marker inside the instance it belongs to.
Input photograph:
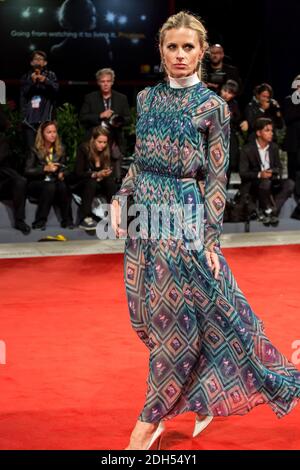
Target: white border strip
(84, 247)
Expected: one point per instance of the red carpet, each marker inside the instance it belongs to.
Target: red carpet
(75, 372)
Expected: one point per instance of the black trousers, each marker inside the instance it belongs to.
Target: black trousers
(89, 188)
(48, 193)
(263, 190)
(13, 187)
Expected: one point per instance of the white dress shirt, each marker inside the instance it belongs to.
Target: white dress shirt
(264, 157)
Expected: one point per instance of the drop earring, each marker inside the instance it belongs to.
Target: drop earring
(162, 67)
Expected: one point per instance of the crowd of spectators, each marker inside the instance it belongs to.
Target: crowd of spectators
(255, 145)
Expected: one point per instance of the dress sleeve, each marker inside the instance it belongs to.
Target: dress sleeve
(216, 179)
(128, 182)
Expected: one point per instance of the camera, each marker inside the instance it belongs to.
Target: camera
(275, 178)
(37, 69)
(113, 122)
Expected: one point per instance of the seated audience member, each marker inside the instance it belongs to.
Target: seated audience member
(261, 173)
(12, 185)
(46, 170)
(94, 174)
(229, 91)
(263, 105)
(108, 108)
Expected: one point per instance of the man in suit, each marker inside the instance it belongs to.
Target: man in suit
(107, 108)
(261, 173)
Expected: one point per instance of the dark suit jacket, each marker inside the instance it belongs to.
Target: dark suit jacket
(35, 163)
(250, 161)
(253, 112)
(4, 147)
(92, 107)
(227, 72)
(47, 92)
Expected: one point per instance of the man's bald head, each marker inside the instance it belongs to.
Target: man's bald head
(216, 54)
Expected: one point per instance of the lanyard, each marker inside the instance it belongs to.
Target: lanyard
(107, 103)
(50, 155)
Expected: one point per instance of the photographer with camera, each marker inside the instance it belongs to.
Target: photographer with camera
(109, 109)
(39, 87)
(263, 105)
(261, 173)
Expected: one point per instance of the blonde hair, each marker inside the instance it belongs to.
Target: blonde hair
(184, 19)
(105, 71)
(39, 143)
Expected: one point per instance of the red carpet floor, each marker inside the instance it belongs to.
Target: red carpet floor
(75, 372)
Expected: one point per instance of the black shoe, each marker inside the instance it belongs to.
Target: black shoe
(266, 220)
(68, 224)
(88, 224)
(39, 224)
(23, 227)
(274, 220)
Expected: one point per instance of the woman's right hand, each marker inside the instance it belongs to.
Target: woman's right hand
(104, 173)
(116, 219)
(51, 168)
(101, 174)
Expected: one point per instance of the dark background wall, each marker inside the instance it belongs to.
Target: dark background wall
(261, 37)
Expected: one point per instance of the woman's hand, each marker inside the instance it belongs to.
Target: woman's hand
(116, 219)
(99, 175)
(213, 262)
(51, 168)
(104, 173)
(61, 176)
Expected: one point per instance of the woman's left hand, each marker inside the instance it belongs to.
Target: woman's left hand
(213, 262)
(61, 176)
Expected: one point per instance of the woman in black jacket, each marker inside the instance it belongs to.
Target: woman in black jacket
(94, 174)
(46, 171)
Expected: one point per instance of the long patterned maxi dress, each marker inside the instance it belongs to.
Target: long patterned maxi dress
(208, 350)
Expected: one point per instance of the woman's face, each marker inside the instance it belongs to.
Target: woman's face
(101, 142)
(226, 94)
(264, 97)
(181, 52)
(50, 134)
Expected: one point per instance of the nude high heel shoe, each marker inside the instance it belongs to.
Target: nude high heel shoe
(156, 437)
(201, 424)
